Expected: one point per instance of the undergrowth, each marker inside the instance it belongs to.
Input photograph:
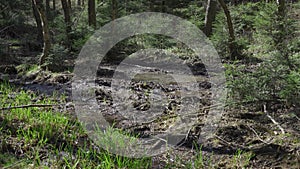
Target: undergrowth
(45, 137)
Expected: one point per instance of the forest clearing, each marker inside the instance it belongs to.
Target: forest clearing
(149, 84)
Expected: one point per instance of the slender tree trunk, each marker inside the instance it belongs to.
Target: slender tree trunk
(114, 9)
(46, 35)
(54, 5)
(38, 22)
(281, 8)
(78, 2)
(92, 13)
(210, 16)
(67, 16)
(230, 28)
(70, 6)
(48, 9)
(280, 38)
(163, 6)
(151, 6)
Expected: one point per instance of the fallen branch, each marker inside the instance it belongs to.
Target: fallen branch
(238, 146)
(296, 117)
(259, 138)
(273, 120)
(29, 105)
(173, 116)
(14, 164)
(233, 145)
(6, 28)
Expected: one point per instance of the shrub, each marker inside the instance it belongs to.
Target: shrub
(277, 78)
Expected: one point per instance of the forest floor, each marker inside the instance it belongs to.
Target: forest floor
(246, 137)
(39, 126)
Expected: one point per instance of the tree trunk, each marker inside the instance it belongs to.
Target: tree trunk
(46, 36)
(151, 5)
(48, 9)
(92, 13)
(54, 4)
(114, 9)
(67, 16)
(70, 5)
(280, 38)
(78, 2)
(281, 8)
(230, 28)
(163, 6)
(38, 22)
(210, 16)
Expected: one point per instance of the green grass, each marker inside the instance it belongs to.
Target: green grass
(43, 137)
(50, 138)
(10, 161)
(241, 159)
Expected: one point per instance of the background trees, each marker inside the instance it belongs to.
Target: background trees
(257, 41)
(38, 21)
(39, 7)
(92, 13)
(240, 30)
(67, 15)
(210, 16)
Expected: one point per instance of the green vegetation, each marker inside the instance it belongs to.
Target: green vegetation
(276, 77)
(47, 137)
(39, 44)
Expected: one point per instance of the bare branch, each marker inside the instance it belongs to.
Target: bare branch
(29, 105)
(273, 120)
(233, 145)
(6, 28)
(258, 135)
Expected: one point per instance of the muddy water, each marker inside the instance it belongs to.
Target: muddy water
(152, 94)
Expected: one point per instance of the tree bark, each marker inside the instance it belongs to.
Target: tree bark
(163, 6)
(282, 33)
(151, 6)
(46, 36)
(54, 4)
(281, 8)
(67, 16)
(230, 28)
(70, 5)
(210, 16)
(48, 9)
(38, 22)
(92, 13)
(114, 9)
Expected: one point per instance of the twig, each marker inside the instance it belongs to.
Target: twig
(6, 28)
(233, 145)
(185, 138)
(296, 117)
(14, 164)
(29, 105)
(258, 135)
(273, 120)
(7, 6)
(174, 116)
(75, 22)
